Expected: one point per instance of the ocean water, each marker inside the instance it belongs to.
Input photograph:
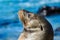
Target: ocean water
(10, 25)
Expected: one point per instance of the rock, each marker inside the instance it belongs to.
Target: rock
(58, 29)
(47, 10)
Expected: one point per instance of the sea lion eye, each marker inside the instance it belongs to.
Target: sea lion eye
(29, 15)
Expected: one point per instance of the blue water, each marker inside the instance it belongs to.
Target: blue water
(11, 26)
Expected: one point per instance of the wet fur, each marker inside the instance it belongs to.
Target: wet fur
(36, 27)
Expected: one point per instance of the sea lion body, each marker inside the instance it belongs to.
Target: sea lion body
(35, 27)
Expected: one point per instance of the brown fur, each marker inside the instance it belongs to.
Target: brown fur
(36, 27)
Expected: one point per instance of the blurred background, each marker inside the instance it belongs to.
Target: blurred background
(11, 26)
